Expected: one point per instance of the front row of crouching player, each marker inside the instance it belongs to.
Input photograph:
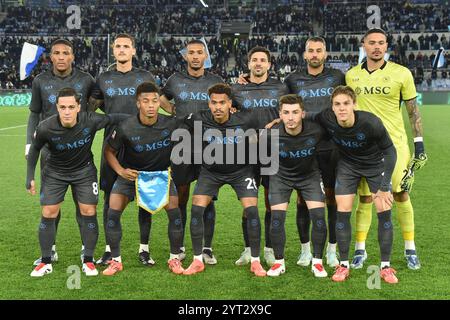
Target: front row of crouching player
(365, 151)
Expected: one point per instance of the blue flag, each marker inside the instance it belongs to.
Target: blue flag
(29, 58)
(152, 190)
(208, 63)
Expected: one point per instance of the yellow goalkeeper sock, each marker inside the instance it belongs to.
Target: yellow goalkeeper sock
(405, 214)
(363, 220)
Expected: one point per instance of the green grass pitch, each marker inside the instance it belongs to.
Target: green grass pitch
(19, 217)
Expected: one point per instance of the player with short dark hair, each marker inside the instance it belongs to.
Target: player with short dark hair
(45, 89)
(225, 133)
(69, 136)
(115, 92)
(366, 151)
(298, 170)
(188, 91)
(259, 91)
(146, 142)
(381, 86)
(315, 84)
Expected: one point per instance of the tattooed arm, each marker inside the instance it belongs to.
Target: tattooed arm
(414, 117)
(416, 124)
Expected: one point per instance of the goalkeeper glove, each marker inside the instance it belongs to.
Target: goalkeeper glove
(420, 157)
(415, 164)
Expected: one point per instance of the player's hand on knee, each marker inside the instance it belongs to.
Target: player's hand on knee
(385, 199)
(31, 188)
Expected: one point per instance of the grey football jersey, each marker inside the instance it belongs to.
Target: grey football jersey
(189, 93)
(262, 95)
(259, 95)
(45, 89)
(315, 90)
(118, 89)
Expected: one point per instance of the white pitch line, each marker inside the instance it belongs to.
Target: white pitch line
(13, 135)
(3, 129)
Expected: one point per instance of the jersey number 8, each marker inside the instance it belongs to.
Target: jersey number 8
(95, 188)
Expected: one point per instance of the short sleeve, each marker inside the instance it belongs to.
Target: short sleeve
(167, 90)
(408, 89)
(116, 140)
(39, 138)
(36, 100)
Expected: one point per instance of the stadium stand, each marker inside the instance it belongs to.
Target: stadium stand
(417, 29)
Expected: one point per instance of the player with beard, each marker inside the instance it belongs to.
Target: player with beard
(315, 84)
(189, 93)
(381, 87)
(259, 91)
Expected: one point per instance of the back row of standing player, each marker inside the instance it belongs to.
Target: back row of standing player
(186, 92)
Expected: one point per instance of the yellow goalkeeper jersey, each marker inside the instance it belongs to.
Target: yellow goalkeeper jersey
(381, 92)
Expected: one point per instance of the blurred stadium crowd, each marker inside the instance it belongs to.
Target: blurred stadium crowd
(162, 27)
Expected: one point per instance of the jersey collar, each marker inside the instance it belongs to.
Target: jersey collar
(133, 68)
(66, 77)
(324, 71)
(364, 66)
(187, 75)
(268, 80)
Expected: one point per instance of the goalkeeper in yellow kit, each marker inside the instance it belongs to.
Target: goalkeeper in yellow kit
(381, 86)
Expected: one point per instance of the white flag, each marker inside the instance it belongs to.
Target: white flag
(29, 58)
(439, 60)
